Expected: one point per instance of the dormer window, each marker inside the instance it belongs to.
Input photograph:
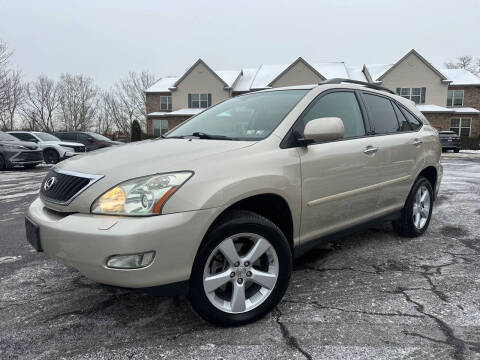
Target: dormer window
(197, 101)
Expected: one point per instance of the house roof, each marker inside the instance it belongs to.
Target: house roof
(299, 60)
(356, 73)
(180, 112)
(331, 70)
(245, 81)
(429, 108)
(375, 71)
(162, 85)
(229, 76)
(414, 52)
(461, 77)
(190, 69)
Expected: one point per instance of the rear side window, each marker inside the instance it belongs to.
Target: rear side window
(381, 114)
(340, 104)
(404, 124)
(412, 120)
(25, 136)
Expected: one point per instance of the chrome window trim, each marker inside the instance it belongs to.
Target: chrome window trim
(92, 177)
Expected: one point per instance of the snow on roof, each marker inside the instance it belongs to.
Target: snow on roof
(377, 70)
(439, 109)
(245, 81)
(356, 73)
(162, 85)
(229, 76)
(331, 70)
(265, 75)
(180, 112)
(461, 77)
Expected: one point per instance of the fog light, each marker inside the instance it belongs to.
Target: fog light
(131, 261)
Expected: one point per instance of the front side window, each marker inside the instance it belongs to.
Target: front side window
(417, 95)
(25, 137)
(461, 126)
(199, 101)
(166, 103)
(381, 114)
(245, 117)
(340, 104)
(455, 98)
(47, 137)
(160, 127)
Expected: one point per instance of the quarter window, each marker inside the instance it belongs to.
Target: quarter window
(412, 120)
(455, 98)
(160, 127)
(381, 114)
(339, 104)
(199, 100)
(461, 126)
(417, 95)
(404, 124)
(166, 103)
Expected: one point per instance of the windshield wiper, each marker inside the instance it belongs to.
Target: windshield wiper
(202, 135)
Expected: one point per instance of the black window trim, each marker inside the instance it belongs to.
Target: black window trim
(403, 109)
(290, 140)
(373, 132)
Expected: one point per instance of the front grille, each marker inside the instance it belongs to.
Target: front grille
(61, 186)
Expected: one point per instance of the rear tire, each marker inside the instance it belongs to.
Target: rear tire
(417, 212)
(456, 150)
(261, 283)
(51, 156)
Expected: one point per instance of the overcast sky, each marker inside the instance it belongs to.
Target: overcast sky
(106, 39)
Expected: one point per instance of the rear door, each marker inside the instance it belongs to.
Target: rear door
(337, 176)
(399, 150)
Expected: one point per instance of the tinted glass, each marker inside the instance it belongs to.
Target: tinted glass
(381, 114)
(25, 137)
(98, 136)
(404, 125)
(67, 136)
(83, 137)
(47, 137)
(7, 137)
(412, 120)
(339, 104)
(246, 117)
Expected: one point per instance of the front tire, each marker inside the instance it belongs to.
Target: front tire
(242, 271)
(417, 212)
(51, 156)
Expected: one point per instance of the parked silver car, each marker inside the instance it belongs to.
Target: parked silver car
(14, 152)
(54, 149)
(221, 205)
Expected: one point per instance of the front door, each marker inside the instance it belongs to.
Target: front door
(338, 177)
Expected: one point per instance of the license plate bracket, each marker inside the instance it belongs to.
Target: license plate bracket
(33, 234)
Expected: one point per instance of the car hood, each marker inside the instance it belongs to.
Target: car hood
(149, 157)
(27, 144)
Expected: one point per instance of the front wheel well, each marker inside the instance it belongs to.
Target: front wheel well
(271, 206)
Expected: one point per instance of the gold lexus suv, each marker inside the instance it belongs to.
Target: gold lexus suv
(220, 206)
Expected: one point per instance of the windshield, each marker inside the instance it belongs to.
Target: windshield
(247, 117)
(98, 136)
(46, 137)
(7, 137)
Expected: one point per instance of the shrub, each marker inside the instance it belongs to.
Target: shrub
(470, 143)
(136, 131)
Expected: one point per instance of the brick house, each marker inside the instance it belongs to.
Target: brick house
(449, 98)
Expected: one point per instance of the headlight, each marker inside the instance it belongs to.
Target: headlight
(141, 196)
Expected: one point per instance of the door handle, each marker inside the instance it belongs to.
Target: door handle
(417, 142)
(370, 150)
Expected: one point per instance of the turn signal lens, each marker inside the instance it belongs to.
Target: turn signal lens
(112, 200)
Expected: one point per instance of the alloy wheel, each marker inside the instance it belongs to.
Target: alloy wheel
(421, 207)
(240, 273)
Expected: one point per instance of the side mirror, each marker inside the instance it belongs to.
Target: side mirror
(323, 129)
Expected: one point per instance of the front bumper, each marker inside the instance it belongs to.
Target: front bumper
(86, 241)
(23, 157)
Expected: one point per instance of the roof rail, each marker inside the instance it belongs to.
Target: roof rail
(350, 81)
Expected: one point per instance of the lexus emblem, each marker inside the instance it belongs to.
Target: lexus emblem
(49, 183)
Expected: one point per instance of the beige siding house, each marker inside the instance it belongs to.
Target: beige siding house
(449, 98)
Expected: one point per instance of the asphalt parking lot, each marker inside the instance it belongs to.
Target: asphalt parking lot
(368, 295)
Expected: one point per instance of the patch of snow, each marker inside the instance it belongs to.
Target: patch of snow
(461, 77)
(229, 76)
(377, 70)
(162, 85)
(356, 73)
(180, 112)
(9, 259)
(331, 70)
(246, 80)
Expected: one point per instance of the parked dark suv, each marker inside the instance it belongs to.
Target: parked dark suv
(15, 152)
(450, 141)
(91, 140)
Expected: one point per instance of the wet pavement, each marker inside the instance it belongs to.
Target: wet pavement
(368, 295)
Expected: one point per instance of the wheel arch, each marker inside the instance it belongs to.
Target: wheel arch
(431, 174)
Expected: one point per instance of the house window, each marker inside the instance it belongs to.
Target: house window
(160, 127)
(455, 98)
(417, 95)
(461, 126)
(199, 100)
(166, 103)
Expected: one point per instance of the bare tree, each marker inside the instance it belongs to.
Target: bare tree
(14, 97)
(127, 101)
(462, 62)
(104, 123)
(77, 97)
(4, 57)
(41, 102)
